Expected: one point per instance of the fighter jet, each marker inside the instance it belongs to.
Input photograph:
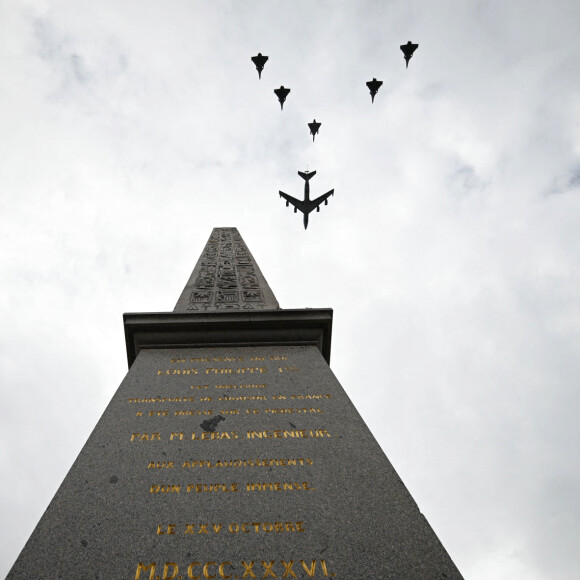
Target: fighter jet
(259, 61)
(281, 93)
(306, 205)
(314, 126)
(408, 50)
(374, 87)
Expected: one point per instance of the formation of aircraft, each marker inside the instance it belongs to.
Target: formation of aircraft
(306, 205)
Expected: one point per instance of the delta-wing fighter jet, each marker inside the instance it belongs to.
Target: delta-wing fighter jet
(306, 205)
(259, 61)
(314, 126)
(281, 93)
(374, 87)
(408, 50)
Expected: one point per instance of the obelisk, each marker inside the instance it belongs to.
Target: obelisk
(230, 450)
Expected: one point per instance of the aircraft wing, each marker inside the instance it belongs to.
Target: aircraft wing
(298, 204)
(316, 202)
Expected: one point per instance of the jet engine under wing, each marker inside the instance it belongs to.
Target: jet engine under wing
(316, 202)
(297, 203)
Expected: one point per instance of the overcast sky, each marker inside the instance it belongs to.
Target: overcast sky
(450, 252)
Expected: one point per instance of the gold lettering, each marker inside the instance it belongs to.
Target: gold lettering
(159, 488)
(221, 569)
(206, 570)
(142, 568)
(288, 569)
(248, 569)
(166, 571)
(268, 569)
(309, 571)
(190, 571)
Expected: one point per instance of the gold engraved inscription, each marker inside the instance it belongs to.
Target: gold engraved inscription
(294, 410)
(281, 462)
(301, 568)
(285, 434)
(278, 486)
(288, 369)
(235, 371)
(262, 386)
(242, 398)
(162, 400)
(146, 437)
(231, 528)
(232, 487)
(230, 435)
(189, 412)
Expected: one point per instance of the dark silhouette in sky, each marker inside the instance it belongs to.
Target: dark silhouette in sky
(259, 61)
(408, 50)
(281, 93)
(314, 126)
(374, 87)
(306, 205)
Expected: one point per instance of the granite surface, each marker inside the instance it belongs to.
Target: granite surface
(246, 462)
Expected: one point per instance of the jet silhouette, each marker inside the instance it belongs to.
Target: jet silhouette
(259, 61)
(374, 87)
(408, 50)
(306, 205)
(281, 93)
(314, 126)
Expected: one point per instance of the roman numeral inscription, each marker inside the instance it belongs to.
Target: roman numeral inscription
(230, 450)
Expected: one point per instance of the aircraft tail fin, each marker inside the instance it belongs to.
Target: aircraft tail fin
(307, 176)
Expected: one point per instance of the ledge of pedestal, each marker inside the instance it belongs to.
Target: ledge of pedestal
(288, 327)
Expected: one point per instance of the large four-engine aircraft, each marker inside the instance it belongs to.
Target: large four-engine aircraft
(306, 205)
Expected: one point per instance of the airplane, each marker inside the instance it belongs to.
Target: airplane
(314, 126)
(374, 87)
(306, 205)
(259, 61)
(281, 93)
(408, 50)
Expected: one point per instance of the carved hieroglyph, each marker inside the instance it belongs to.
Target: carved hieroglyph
(226, 278)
